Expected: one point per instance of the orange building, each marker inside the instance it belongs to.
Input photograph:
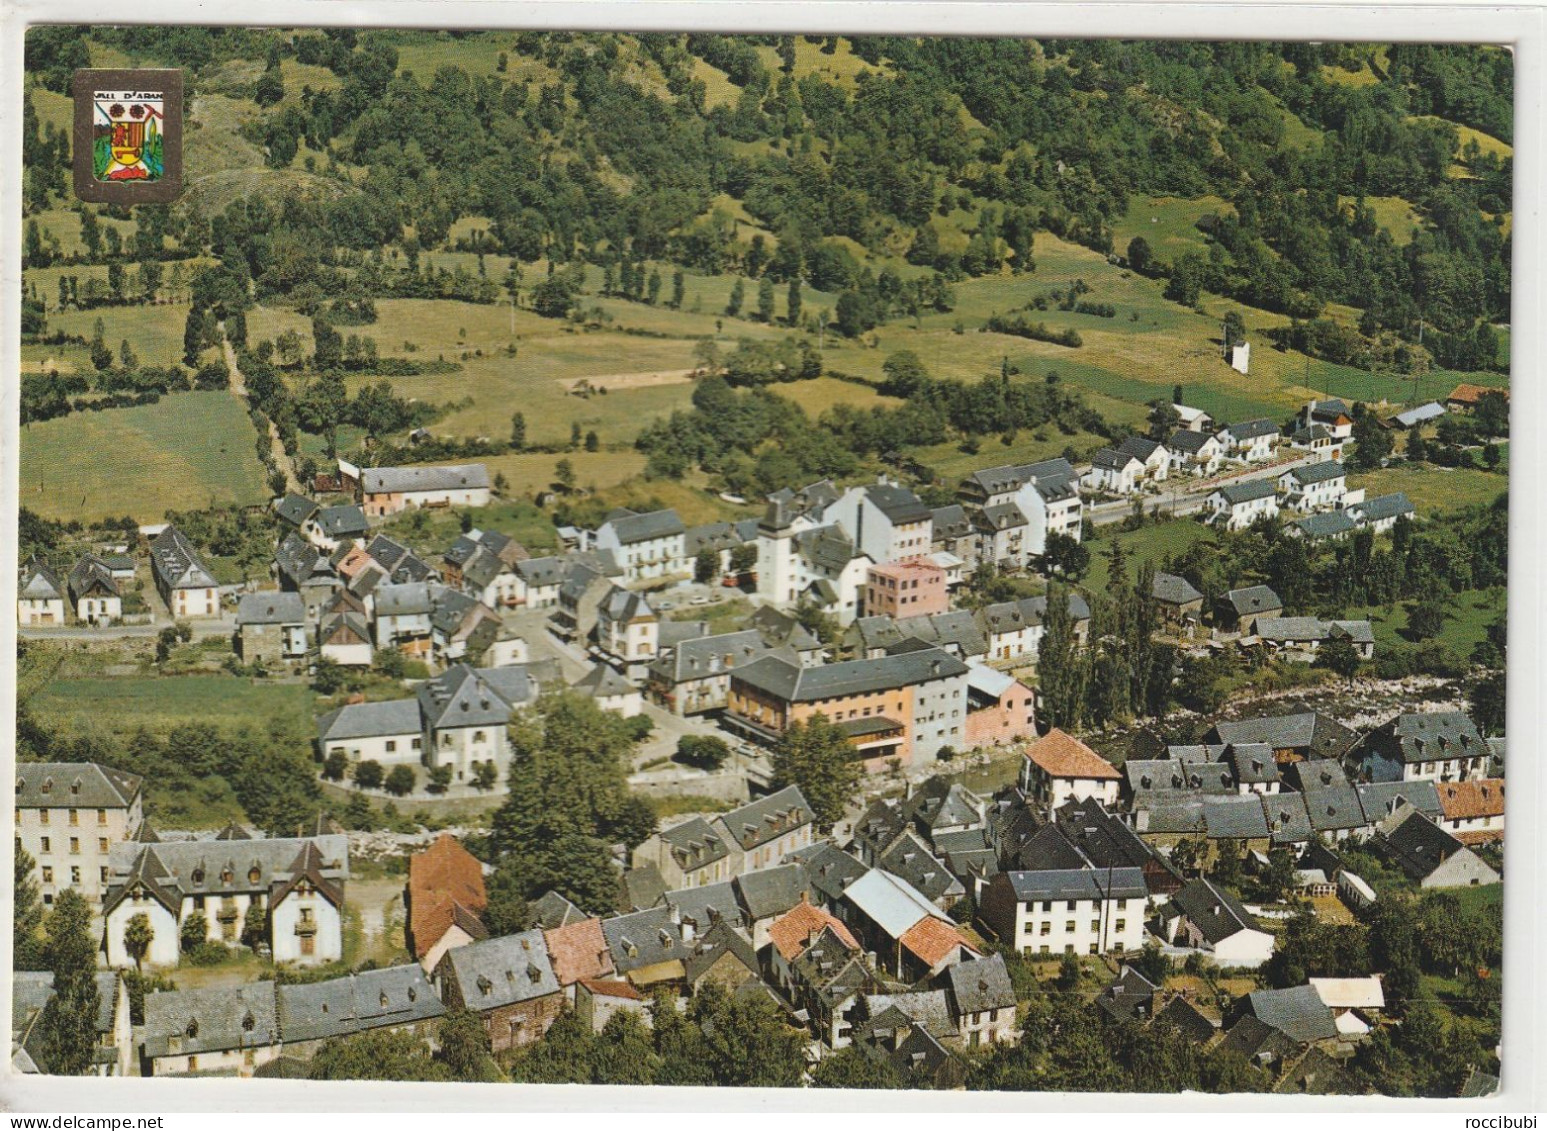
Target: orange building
(908, 705)
(912, 587)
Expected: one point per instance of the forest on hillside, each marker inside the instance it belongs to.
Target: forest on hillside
(610, 150)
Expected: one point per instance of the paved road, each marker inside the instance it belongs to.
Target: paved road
(1185, 497)
(202, 629)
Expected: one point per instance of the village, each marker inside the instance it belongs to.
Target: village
(914, 928)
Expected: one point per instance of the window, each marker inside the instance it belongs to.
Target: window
(48, 875)
(1095, 926)
(75, 816)
(75, 874)
(1047, 905)
(43, 815)
(75, 846)
(102, 844)
(46, 847)
(101, 816)
(1069, 927)
(1044, 949)
(102, 875)
(391, 746)
(1071, 905)
(1122, 925)
(1069, 948)
(1046, 929)
(1094, 949)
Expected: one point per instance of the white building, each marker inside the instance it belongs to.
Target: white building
(39, 596)
(1206, 917)
(1195, 453)
(1017, 507)
(94, 592)
(296, 884)
(1193, 419)
(627, 628)
(1115, 472)
(389, 490)
(1067, 910)
(647, 546)
(1154, 456)
(1238, 505)
(188, 588)
(1250, 442)
(1060, 768)
(1314, 487)
(69, 818)
(886, 522)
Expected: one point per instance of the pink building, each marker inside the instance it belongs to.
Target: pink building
(909, 587)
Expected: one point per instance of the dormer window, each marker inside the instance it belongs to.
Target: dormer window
(383, 999)
(48, 785)
(198, 875)
(193, 1028)
(484, 985)
(227, 875)
(248, 1022)
(254, 874)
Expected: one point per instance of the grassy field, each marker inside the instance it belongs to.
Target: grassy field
(1433, 488)
(1150, 543)
(160, 703)
(1470, 615)
(188, 450)
(1394, 214)
(817, 396)
(434, 531)
(1167, 223)
(531, 472)
(1485, 142)
(155, 333)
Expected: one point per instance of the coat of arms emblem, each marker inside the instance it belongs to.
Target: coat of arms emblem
(128, 135)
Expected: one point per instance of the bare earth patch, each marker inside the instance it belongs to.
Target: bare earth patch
(612, 381)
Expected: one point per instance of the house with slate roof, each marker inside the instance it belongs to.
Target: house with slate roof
(1333, 415)
(304, 569)
(328, 528)
(1380, 514)
(1298, 1012)
(1300, 638)
(31, 992)
(1293, 738)
(294, 510)
(952, 531)
(1239, 609)
(982, 1001)
(509, 982)
(381, 491)
(1252, 441)
(1202, 915)
(1238, 505)
(911, 938)
(271, 628)
(69, 817)
(914, 1048)
(647, 546)
(907, 705)
(1189, 1022)
(691, 854)
(627, 629)
(1113, 472)
(1014, 629)
(482, 563)
(1318, 440)
(693, 676)
(444, 899)
(1130, 997)
(94, 593)
(1017, 507)
(1195, 453)
(1427, 854)
(767, 895)
(1439, 746)
(1322, 527)
(297, 884)
(649, 947)
(829, 975)
(465, 713)
(214, 1030)
(390, 998)
(1314, 486)
(611, 691)
(767, 830)
(1175, 597)
(720, 540)
(886, 522)
(830, 871)
(1067, 910)
(187, 587)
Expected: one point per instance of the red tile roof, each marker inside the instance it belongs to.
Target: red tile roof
(579, 952)
(1464, 800)
(1471, 394)
(611, 988)
(932, 940)
(1063, 756)
(792, 931)
(445, 885)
